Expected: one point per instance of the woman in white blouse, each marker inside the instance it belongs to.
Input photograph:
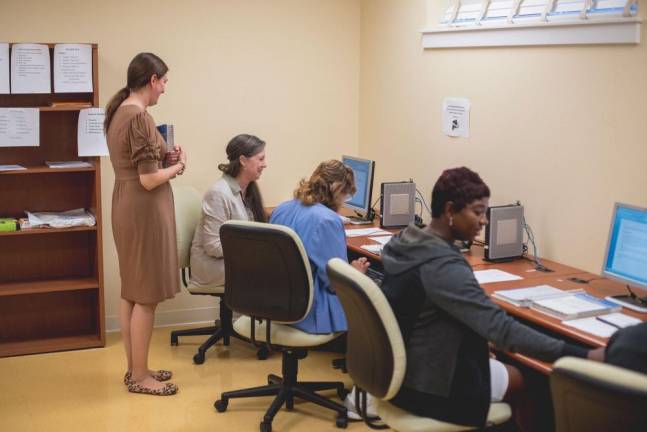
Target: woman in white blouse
(234, 196)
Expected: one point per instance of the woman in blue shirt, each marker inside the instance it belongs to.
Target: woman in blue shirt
(312, 214)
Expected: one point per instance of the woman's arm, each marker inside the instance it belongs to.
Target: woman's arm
(162, 175)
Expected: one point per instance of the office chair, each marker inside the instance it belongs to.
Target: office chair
(188, 210)
(268, 278)
(375, 353)
(595, 397)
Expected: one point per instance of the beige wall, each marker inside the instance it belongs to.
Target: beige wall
(285, 70)
(563, 129)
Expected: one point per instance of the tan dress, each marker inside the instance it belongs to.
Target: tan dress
(143, 222)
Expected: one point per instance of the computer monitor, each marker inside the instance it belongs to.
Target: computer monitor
(626, 254)
(363, 170)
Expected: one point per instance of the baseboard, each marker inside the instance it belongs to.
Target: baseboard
(172, 318)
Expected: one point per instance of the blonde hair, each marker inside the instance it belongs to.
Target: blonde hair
(327, 182)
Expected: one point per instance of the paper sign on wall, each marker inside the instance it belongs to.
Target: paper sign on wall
(456, 117)
(73, 68)
(30, 69)
(19, 127)
(91, 139)
(4, 68)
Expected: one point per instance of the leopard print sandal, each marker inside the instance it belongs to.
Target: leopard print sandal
(169, 389)
(160, 375)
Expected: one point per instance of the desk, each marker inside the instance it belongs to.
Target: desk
(531, 277)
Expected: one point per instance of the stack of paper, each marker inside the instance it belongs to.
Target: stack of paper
(605, 325)
(359, 232)
(574, 306)
(71, 218)
(525, 296)
(68, 164)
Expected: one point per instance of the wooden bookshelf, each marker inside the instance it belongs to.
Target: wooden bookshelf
(51, 279)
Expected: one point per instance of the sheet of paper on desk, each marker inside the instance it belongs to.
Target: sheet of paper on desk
(359, 232)
(382, 239)
(494, 275)
(592, 326)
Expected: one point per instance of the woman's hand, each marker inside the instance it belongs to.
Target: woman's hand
(361, 264)
(172, 157)
(182, 158)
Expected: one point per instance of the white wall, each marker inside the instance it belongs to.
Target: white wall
(562, 129)
(285, 70)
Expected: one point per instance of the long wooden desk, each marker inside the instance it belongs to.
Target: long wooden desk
(531, 277)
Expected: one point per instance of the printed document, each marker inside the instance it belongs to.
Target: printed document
(358, 232)
(4, 68)
(19, 127)
(30, 70)
(494, 275)
(90, 136)
(456, 117)
(73, 68)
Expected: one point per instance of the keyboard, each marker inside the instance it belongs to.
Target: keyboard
(375, 276)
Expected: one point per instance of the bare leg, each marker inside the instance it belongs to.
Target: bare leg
(141, 328)
(524, 410)
(125, 316)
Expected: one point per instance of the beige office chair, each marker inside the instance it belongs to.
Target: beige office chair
(268, 278)
(188, 211)
(593, 397)
(375, 352)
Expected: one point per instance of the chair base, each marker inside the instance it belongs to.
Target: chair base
(223, 329)
(286, 388)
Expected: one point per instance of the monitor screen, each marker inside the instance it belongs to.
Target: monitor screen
(363, 173)
(626, 255)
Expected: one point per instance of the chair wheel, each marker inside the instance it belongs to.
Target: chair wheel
(266, 427)
(341, 422)
(220, 405)
(342, 393)
(198, 358)
(262, 353)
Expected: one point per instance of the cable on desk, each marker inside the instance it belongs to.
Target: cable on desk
(583, 281)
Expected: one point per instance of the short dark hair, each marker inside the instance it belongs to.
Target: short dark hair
(458, 185)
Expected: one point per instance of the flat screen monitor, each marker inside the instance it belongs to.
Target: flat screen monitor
(363, 172)
(626, 254)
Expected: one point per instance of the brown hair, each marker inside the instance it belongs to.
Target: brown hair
(330, 179)
(140, 71)
(248, 146)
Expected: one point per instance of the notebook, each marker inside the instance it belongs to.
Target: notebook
(572, 306)
(522, 297)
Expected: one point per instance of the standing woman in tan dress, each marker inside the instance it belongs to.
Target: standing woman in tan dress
(143, 218)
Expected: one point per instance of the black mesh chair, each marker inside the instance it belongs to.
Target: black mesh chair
(590, 396)
(375, 352)
(188, 205)
(268, 279)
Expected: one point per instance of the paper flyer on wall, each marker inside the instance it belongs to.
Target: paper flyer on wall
(90, 136)
(30, 69)
(456, 117)
(73, 68)
(19, 127)
(4, 68)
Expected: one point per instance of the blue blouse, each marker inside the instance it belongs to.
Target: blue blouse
(322, 233)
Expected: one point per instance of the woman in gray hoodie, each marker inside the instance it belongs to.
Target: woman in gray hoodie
(447, 319)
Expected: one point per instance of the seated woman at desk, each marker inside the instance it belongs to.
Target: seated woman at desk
(234, 196)
(312, 214)
(447, 319)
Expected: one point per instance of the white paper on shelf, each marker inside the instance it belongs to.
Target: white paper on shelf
(73, 68)
(11, 167)
(68, 164)
(30, 69)
(591, 325)
(4, 68)
(66, 219)
(90, 136)
(358, 232)
(494, 275)
(382, 239)
(19, 127)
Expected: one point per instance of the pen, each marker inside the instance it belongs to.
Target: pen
(608, 322)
